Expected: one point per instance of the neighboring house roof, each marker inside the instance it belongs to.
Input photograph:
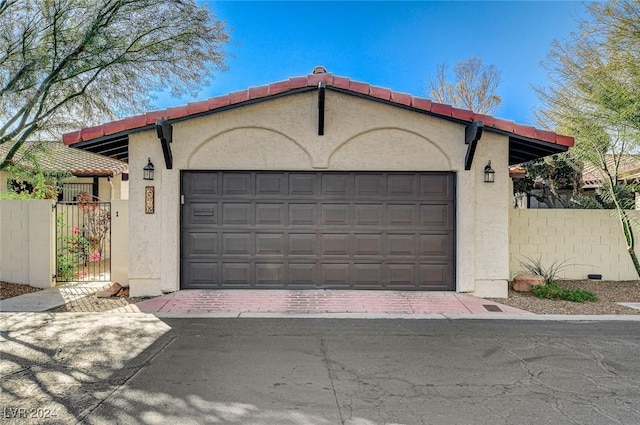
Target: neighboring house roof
(526, 142)
(56, 157)
(628, 169)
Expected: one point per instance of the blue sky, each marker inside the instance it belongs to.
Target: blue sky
(391, 44)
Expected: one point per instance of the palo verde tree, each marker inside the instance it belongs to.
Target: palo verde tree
(473, 88)
(65, 64)
(595, 96)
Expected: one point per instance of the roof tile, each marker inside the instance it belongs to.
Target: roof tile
(359, 87)
(71, 138)
(297, 82)
(545, 135)
(462, 114)
(92, 132)
(522, 130)
(219, 102)
(441, 109)
(380, 93)
(177, 112)
(314, 79)
(198, 107)
(421, 103)
(401, 98)
(153, 116)
(258, 92)
(279, 87)
(238, 96)
(341, 82)
(565, 140)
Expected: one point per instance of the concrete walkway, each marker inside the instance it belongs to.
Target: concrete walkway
(51, 297)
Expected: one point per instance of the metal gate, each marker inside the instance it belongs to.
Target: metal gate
(83, 240)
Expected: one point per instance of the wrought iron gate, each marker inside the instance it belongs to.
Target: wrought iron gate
(83, 241)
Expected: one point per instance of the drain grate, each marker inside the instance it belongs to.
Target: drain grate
(492, 307)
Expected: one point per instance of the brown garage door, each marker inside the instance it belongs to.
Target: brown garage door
(301, 230)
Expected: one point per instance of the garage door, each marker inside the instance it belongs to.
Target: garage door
(312, 230)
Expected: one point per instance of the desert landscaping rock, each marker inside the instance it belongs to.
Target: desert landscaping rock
(524, 281)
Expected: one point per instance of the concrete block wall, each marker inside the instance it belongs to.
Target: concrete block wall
(589, 241)
(27, 242)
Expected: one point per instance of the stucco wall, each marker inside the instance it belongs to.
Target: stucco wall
(281, 134)
(588, 241)
(27, 242)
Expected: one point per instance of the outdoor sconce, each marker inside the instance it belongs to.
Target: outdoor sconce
(148, 170)
(489, 174)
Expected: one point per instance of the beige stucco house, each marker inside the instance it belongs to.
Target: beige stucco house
(319, 182)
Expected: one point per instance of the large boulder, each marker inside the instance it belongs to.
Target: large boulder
(524, 281)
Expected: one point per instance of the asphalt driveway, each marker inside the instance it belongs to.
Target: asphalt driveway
(138, 369)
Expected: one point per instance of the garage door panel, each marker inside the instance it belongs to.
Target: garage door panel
(336, 214)
(201, 185)
(403, 275)
(237, 274)
(337, 185)
(201, 244)
(271, 185)
(364, 230)
(401, 245)
(270, 274)
(234, 214)
(237, 244)
(305, 274)
(205, 213)
(436, 216)
(303, 244)
(202, 274)
(271, 214)
(335, 274)
(435, 246)
(369, 186)
(335, 244)
(272, 244)
(369, 245)
(368, 214)
(436, 186)
(237, 184)
(367, 275)
(303, 185)
(403, 186)
(402, 215)
(303, 214)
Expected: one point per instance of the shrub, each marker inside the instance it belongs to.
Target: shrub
(536, 267)
(553, 291)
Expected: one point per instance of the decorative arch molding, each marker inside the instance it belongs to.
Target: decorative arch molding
(392, 151)
(276, 140)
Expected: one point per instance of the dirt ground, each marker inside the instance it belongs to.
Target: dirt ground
(609, 293)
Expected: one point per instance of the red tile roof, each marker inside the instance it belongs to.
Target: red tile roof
(54, 157)
(437, 109)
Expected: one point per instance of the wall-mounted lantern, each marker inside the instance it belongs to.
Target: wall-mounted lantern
(148, 170)
(489, 174)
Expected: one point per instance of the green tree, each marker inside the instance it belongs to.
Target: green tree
(595, 96)
(473, 88)
(68, 63)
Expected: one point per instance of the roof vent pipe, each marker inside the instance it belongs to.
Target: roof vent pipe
(319, 70)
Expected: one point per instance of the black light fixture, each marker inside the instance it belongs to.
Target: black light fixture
(148, 170)
(489, 174)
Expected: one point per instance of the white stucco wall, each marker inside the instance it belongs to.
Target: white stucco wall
(281, 134)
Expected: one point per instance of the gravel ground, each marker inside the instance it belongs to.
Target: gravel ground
(609, 293)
